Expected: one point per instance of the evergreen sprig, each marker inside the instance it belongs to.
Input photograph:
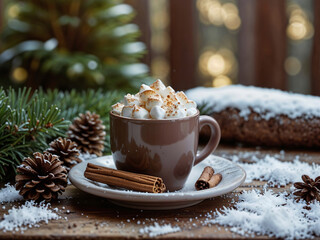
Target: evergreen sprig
(30, 120)
(73, 103)
(27, 122)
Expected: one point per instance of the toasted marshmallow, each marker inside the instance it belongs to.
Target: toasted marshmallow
(157, 112)
(177, 113)
(148, 94)
(127, 111)
(140, 112)
(156, 101)
(182, 97)
(167, 91)
(117, 108)
(144, 87)
(190, 104)
(158, 86)
(152, 102)
(130, 100)
(191, 111)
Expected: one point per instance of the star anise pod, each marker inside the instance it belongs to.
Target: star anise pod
(308, 190)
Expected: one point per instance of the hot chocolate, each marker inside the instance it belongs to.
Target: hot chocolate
(155, 102)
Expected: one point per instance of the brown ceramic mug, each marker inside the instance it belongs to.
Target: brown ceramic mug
(165, 148)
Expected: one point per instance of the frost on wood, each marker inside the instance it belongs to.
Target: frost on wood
(26, 216)
(156, 229)
(268, 103)
(273, 214)
(274, 171)
(9, 194)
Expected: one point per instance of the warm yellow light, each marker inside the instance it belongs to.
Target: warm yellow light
(216, 65)
(299, 25)
(232, 21)
(215, 14)
(292, 66)
(221, 81)
(13, 11)
(297, 30)
(229, 8)
(19, 75)
(203, 61)
(160, 68)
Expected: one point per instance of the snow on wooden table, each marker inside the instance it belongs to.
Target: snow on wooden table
(91, 217)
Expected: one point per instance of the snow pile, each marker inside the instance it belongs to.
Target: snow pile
(279, 172)
(156, 229)
(273, 214)
(9, 194)
(27, 216)
(268, 103)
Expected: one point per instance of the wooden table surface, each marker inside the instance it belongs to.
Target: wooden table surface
(91, 217)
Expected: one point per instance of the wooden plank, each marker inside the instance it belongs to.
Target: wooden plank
(315, 62)
(92, 217)
(183, 60)
(262, 43)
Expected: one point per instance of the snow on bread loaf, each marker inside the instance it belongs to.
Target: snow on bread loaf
(262, 116)
(155, 102)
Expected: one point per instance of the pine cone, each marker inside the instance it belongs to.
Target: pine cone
(308, 190)
(87, 131)
(41, 177)
(66, 150)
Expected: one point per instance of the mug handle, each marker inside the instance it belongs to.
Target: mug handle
(214, 138)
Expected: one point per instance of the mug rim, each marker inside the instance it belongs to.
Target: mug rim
(154, 120)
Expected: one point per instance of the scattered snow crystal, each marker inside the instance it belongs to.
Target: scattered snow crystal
(279, 172)
(157, 230)
(272, 214)
(9, 194)
(27, 216)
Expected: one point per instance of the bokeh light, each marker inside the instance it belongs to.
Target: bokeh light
(19, 75)
(215, 63)
(292, 66)
(215, 13)
(221, 81)
(299, 26)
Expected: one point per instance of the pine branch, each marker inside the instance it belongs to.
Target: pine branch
(26, 121)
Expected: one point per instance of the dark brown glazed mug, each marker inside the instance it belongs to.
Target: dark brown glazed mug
(165, 148)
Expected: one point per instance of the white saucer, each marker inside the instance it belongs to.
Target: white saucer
(232, 177)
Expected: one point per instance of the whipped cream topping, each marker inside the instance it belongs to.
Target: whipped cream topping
(155, 102)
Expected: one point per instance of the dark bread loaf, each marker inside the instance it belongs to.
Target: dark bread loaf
(262, 117)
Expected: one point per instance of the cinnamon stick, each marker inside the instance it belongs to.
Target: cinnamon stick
(123, 179)
(208, 179)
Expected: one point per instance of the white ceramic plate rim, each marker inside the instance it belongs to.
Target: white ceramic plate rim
(126, 195)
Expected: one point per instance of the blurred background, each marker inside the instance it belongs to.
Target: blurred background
(114, 44)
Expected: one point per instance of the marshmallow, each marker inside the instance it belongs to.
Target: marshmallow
(130, 100)
(178, 113)
(158, 86)
(182, 97)
(153, 101)
(144, 87)
(117, 108)
(167, 91)
(157, 102)
(190, 104)
(191, 111)
(127, 111)
(157, 112)
(147, 94)
(139, 112)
